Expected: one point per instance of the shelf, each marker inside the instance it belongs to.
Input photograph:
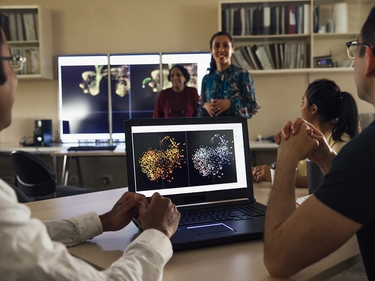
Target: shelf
(302, 71)
(276, 34)
(29, 33)
(330, 35)
(271, 36)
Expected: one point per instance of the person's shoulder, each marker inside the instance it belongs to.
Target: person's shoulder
(192, 89)
(361, 143)
(207, 76)
(166, 91)
(241, 71)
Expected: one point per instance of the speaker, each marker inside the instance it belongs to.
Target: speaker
(43, 133)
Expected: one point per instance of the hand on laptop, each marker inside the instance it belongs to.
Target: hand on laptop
(122, 212)
(160, 214)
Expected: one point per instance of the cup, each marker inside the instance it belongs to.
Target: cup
(314, 176)
(272, 175)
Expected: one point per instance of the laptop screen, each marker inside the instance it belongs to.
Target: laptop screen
(185, 156)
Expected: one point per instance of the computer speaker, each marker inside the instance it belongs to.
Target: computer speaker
(43, 133)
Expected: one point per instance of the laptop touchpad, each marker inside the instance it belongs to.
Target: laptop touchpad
(209, 229)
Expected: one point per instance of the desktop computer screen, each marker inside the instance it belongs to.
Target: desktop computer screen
(135, 88)
(83, 98)
(97, 92)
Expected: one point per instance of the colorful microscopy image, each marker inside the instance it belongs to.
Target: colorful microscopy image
(160, 164)
(210, 160)
(181, 159)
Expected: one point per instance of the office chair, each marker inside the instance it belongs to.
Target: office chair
(21, 197)
(37, 180)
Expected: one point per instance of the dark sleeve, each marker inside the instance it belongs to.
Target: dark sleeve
(249, 105)
(195, 103)
(349, 187)
(202, 99)
(158, 111)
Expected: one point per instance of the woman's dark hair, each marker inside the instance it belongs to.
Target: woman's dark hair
(183, 70)
(3, 78)
(213, 66)
(334, 106)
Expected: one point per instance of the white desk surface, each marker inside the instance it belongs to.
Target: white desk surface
(9, 147)
(235, 262)
(61, 149)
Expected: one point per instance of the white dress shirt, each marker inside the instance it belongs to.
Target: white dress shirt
(28, 253)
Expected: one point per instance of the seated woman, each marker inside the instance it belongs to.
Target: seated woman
(180, 100)
(330, 110)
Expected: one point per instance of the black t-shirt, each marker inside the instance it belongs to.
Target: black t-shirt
(349, 188)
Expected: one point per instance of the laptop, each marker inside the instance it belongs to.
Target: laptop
(203, 165)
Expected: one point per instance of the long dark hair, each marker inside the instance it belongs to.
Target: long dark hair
(213, 66)
(334, 106)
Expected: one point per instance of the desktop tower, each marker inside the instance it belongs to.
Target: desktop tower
(43, 133)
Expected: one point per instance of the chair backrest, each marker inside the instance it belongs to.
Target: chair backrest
(21, 196)
(34, 177)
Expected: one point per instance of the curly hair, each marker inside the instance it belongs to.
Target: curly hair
(183, 70)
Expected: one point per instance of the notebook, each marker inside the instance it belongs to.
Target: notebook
(201, 164)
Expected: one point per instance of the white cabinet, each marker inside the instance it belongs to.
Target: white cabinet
(29, 34)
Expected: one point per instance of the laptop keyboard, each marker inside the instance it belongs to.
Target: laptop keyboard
(221, 214)
(92, 148)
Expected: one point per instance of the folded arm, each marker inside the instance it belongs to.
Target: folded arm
(295, 238)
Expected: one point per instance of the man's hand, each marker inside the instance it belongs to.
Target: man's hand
(298, 146)
(122, 212)
(160, 214)
(322, 155)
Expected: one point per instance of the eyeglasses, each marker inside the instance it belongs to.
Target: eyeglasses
(16, 62)
(353, 48)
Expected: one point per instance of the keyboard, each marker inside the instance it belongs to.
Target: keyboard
(220, 214)
(92, 148)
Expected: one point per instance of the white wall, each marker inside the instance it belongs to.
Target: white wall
(129, 26)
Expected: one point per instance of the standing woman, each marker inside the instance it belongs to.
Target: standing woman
(227, 90)
(180, 100)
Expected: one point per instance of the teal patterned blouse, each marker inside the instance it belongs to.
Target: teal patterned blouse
(235, 84)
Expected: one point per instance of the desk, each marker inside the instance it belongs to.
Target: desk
(255, 146)
(236, 262)
(67, 155)
(7, 148)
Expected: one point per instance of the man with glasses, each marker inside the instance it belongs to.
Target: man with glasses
(344, 204)
(27, 250)
(16, 61)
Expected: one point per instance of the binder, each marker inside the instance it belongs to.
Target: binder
(29, 24)
(306, 19)
(290, 19)
(266, 20)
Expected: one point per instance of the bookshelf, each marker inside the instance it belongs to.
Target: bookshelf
(293, 36)
(29, 33)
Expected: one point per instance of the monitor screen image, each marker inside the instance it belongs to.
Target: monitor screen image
(97, 92)
(83, 98)
(135, 87)
(196, 64)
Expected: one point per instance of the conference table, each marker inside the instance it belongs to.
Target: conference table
(235, 262)
(255, 147)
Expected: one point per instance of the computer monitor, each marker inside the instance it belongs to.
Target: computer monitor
(135, 87)
(83, 98)
(196, 63)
